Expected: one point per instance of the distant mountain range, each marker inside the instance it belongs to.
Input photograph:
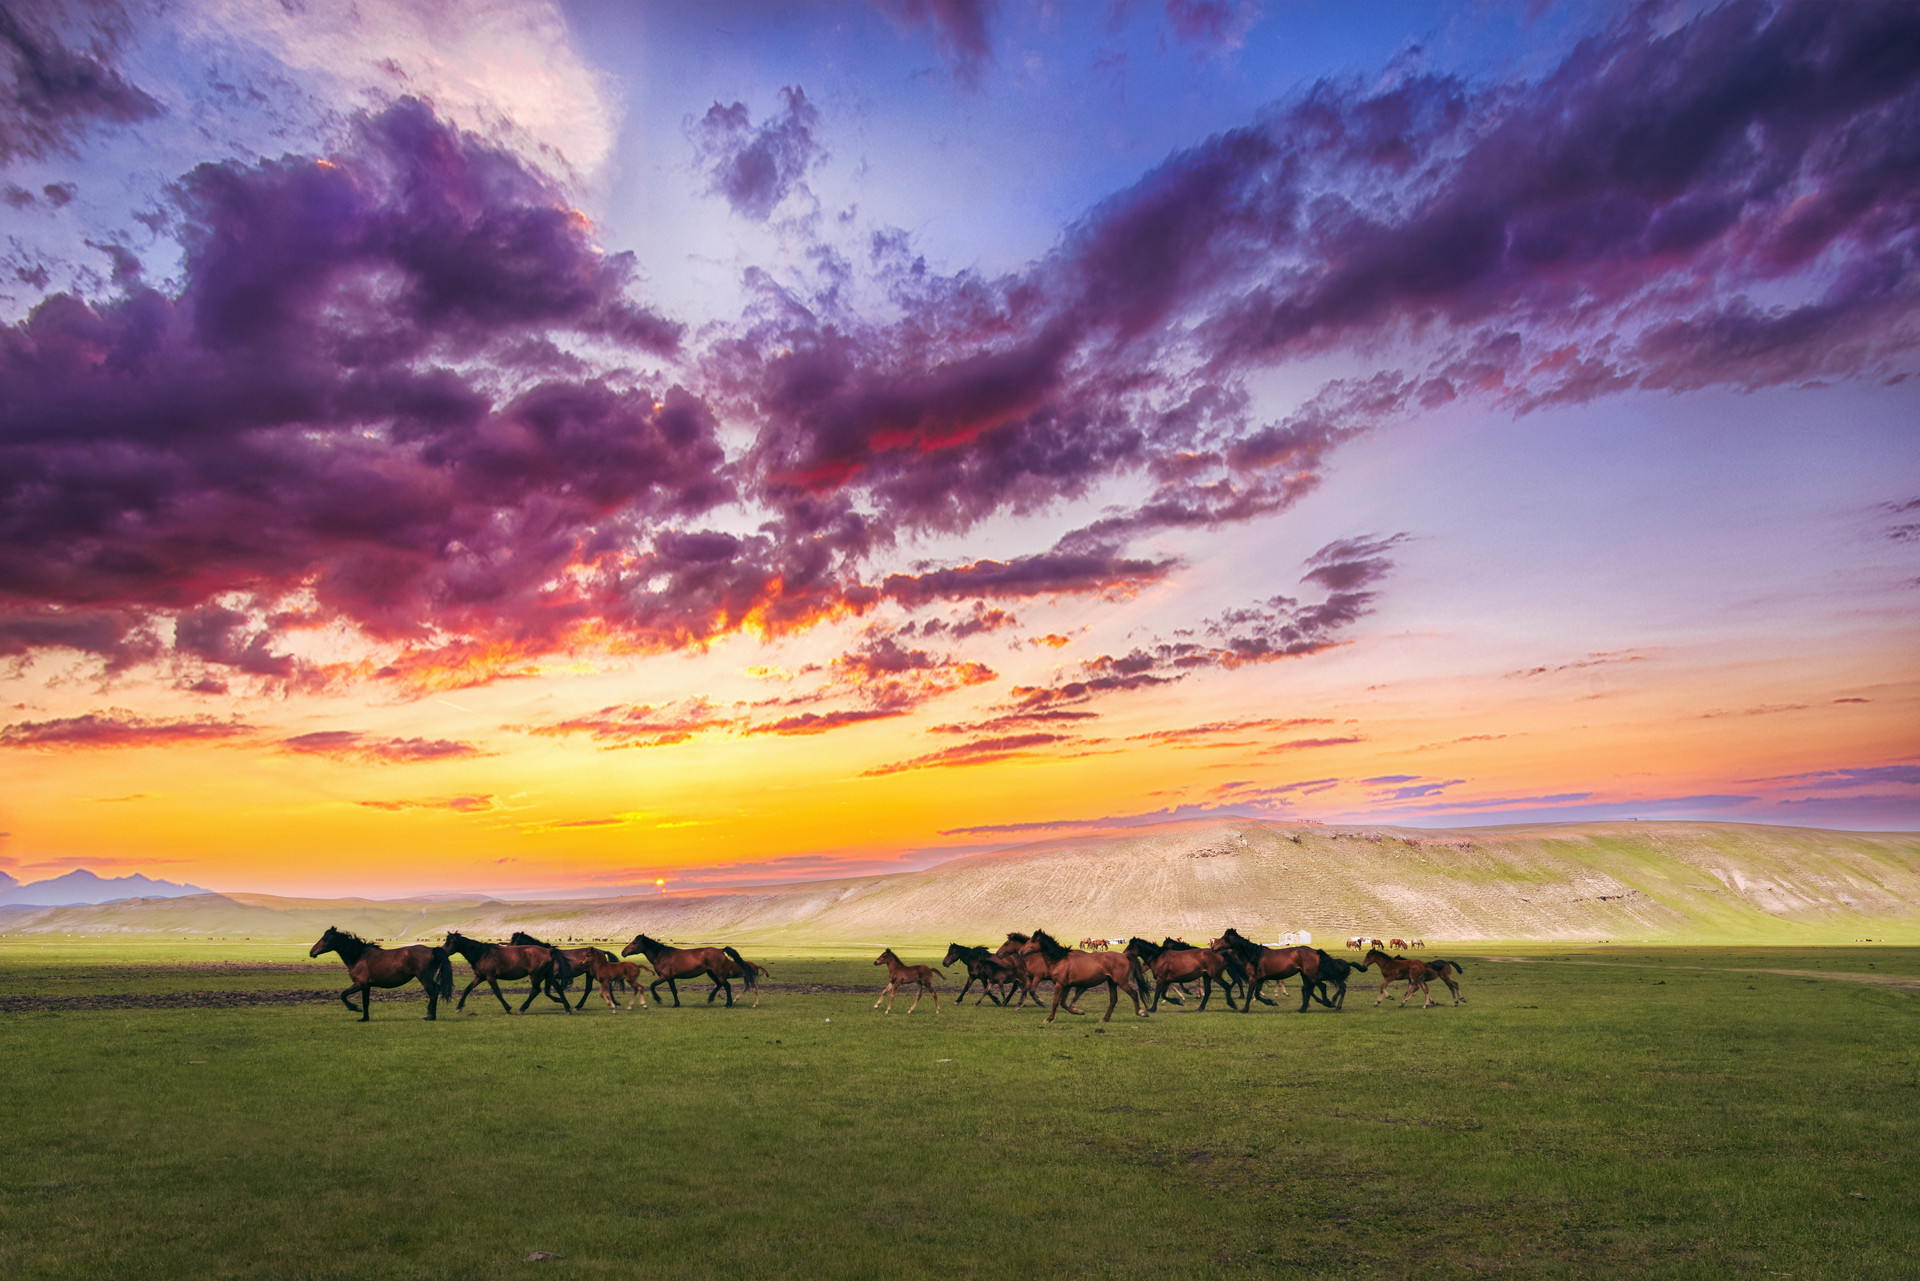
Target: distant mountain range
(83, 887)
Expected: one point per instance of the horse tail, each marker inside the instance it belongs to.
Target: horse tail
(440, 973)
(1140, 981)
(562, 967)
(1441, 965)
(746, 967)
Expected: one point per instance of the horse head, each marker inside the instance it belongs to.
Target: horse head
(328, 941)
(955, 952)
(885, 956)
(641, 943)
(1139, 947)
(1046, 945)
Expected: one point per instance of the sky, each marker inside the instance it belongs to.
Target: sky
(511, 447)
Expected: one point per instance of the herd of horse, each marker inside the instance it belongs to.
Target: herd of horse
(1018, 967)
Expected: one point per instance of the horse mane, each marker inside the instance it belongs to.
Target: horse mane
(1050, 947)
(1175, 945)
(1014, 936)
(523, 939)
(348, 936)
(1152, 951)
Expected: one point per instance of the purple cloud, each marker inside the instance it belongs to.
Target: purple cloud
(118, 727)
(758, 168)
(961, 31)
(352, 745)
(52, 90)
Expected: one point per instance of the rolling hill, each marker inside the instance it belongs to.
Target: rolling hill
(1569, 881)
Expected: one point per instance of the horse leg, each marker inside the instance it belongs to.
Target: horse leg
(463, 996)
(495, 985)
(1251, 994)
(534, 991)
(883, 995)
(366, 1001)
(1113, 999)
(345, 998)
(919, 991)
(729, 991)
(1206, 992)
(433, 997)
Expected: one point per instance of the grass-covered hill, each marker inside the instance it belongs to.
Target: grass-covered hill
(1563, 881)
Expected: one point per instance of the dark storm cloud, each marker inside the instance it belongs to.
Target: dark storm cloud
(52, 90)
(117, 727)
(757, 168)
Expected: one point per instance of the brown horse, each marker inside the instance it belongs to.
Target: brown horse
(579, 958)
(744, 969)
(1267, 963)
(982, 967)
(1220, 945)
(1444, 971)
(1183, 965)
(899, 972)
(1030, 970)
(371, 966)
(492, 962)
(1417, 974)
(610, 972)
(1075, 971)
(721, 964)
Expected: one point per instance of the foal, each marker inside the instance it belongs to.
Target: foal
(898, 973)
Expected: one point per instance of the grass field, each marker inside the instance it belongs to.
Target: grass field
(1675, 1112)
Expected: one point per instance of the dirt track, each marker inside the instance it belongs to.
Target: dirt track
(224, 1000)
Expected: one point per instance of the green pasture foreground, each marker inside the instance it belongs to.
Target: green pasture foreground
(1676, 1112)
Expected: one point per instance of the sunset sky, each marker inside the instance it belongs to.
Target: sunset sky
(511, 447)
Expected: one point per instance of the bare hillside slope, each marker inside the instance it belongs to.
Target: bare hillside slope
(1571, 881)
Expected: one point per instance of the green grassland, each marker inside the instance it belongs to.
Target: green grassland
(1616, 1112)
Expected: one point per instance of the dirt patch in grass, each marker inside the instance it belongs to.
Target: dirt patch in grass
(177, 1000)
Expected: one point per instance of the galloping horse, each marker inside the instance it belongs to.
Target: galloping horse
(899, 972)
(609, 971)
(580, 958)
(983, 967)
(1440, 970)
(1029, 969)
(1182, 965)
(492, 962)
(1077, 971)
(721, 964)
(745, 969)
(1335, 970)
(371, 966)
(1416, 973)
(1264, 963)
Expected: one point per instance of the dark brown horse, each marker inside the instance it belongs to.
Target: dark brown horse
(371, 966)
(579, 959)
(1334, 972)
(1076, 971)
(984, 968)
(1168, 966)
(721, 964)
(899, 972)
(1029, 969)
(1264, 964)
(492, 962)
